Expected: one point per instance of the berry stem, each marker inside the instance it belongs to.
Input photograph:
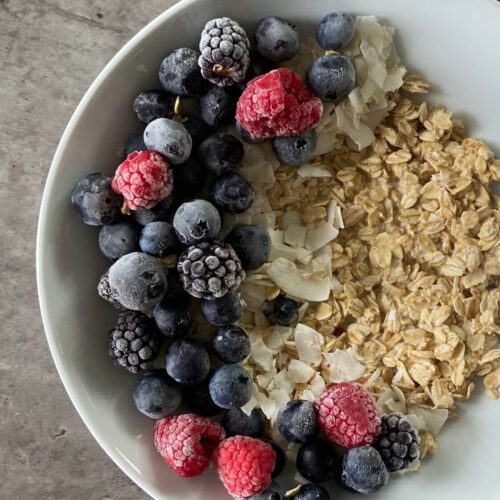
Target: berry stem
(291, 493)
(221, 70)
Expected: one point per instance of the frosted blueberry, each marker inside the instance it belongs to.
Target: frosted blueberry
(169, 138)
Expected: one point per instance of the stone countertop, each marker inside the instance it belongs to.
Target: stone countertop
(50, 52)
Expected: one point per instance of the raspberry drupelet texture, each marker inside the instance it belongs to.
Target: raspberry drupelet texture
(144, 179)
(244, 465)
(347, 415)
(186, 442)
(278, 104)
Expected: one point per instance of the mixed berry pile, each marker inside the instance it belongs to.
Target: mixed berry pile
(161, 217)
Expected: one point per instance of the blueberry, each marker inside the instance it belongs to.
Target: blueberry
(196, 221)
(199, 401)
(153, 104)
(189, 178)
(276, 38)
(169, 138)
(222, 311)
(218, 106)
(317, 461)
(280, 460)
(335, 31)
(251, 243)
(220, 152)
(245, 135)
(231, 193)
(259, 65)
(282, 310)
(187, 361)
(273, 492)
(158, 239)
(117, 240)
(297, 421)
(144, 216)
(295, 150)
(94, 200)
(175, 289)
(137, 281)
(231, 343)
(363, 470)
(312, 492)
(156, 395)
(179, 73)
(198, 130)
(135, 143)
(332, 78)
(172, 319)
(231, 387)
(237, 423)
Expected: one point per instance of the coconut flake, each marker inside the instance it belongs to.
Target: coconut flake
(320, 236)
(308, 343)
(434, 419)
(341, 366)
(261, 355)
(308, 395)
(280, 398)
(308, 170)
(291, 217)
(281, 381)
(289, 253)
(295, 235)
(317, 385)
(299, 372)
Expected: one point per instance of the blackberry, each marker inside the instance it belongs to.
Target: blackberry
(237, 423)
(159, 212)
(153, 104)
(179, 73)
(232, 193)
(218, 106)
(221, 152)
(134, 342)
(398, 443)
(223, 310)
(104, 291)
(224, 52)
(209, 270)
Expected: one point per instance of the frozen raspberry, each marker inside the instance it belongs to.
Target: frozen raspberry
(348, 415)
(278, 104)
(244, 465)
(186, 442)
(144, 179)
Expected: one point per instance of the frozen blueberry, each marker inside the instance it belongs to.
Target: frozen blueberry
(137, 281)
(251, 243)
(297, 421)
(179, 73)
(259, 65)
(198, 399)
(335, 31)
(198, 130)
(231, 343)
(276, 39)
(172, 319)
(196, 221)
(156, 395)
(169, 138)
(187, 361)
(220, 152)
(295, 150)
(94, 200)
(175, 289)
(117, 240)
(231, 193)
(159, 212)
(312, 492)
(237, 423)
(245, 135)
(222, 311)
(218, 106)
(273, 492)
(317, 461)
(363, 470)
(153, 104)
(135, 143)
(282, 310)
(280, 463)
(231, 387)
(158, 239)
(331, 78)
(189, 178)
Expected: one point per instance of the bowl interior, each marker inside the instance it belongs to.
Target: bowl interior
(453, 44)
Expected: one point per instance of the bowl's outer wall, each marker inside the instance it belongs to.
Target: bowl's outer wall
(453, 43)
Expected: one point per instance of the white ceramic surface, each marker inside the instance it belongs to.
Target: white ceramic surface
(454, 43)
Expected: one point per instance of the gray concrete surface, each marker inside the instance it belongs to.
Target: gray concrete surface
(50, 51)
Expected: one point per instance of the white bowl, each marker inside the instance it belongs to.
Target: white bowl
(454, 43)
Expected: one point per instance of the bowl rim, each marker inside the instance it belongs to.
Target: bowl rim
(40, 255)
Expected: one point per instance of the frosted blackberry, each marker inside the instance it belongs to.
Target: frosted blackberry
(179, 73)
(104, 291)
(398, 443)
(276, 38)
(218, 106)
(209, 270)
(295, 150)
(224, 52)
(153, 104)
(134, 341)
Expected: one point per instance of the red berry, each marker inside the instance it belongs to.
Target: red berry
(278, 103)
(186, 442)
(144, 179)
(348, 416)
(244, 465)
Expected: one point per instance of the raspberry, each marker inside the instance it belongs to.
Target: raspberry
(186, 442)
(348, 415)
(278, 103)
(244, 465)
(144, 179)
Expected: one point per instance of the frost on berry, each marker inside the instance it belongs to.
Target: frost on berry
(278, 104)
